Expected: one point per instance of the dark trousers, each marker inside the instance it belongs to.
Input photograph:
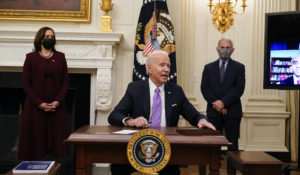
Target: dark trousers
(117, 169)
(232, 133)
(232, 129)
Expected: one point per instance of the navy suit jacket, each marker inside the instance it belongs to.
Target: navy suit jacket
(136, 103)
(229, 91)
(289, 80)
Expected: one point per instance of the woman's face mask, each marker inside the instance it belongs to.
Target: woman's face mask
(48, 43)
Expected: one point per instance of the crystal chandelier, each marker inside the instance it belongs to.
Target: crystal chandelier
(223, 13)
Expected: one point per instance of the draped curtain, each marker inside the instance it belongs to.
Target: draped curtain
(293, 124)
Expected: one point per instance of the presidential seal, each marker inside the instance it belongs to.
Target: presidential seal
(148, 151)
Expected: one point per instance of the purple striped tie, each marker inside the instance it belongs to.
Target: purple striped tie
(156, 109)
(222, 71)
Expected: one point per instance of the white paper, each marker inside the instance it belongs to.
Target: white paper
(125, 131)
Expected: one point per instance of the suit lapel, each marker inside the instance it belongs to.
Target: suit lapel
(217, 67)
(168, 104)
(146, 97)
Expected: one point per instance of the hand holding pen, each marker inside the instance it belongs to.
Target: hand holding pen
(140, 122)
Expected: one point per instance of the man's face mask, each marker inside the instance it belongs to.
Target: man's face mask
(48, 43)
(225, 53)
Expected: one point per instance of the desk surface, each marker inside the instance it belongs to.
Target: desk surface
(98, 144)
(104, 134)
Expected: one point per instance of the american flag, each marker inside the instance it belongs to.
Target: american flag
(149, 48)
(154, 19)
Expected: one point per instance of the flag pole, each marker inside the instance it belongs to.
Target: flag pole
(154, 26)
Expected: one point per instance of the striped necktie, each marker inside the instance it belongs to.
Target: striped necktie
(156, 109)
(222, 71)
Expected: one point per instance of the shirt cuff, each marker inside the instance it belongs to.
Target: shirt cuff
(203, 119)
(124, 119)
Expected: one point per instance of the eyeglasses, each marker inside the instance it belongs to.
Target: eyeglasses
(295, 62)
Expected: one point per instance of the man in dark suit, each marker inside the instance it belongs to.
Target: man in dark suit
(289, 80)
(136, 107)
(295, 77)
(223, 84)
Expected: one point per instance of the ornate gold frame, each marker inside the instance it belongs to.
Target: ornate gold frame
(84, 15)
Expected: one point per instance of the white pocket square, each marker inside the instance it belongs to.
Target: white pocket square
(174, 105)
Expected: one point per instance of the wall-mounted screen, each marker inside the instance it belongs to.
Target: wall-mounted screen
(282, 51)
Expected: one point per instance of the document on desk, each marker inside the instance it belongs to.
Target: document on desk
(125, 131)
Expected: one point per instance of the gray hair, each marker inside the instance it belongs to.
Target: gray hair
(226, 40)
(150, 58)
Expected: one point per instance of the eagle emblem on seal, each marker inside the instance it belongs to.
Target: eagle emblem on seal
(149, 150)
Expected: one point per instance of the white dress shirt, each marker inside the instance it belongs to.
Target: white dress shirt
(220, 63)
(295, 79)
(152, 88)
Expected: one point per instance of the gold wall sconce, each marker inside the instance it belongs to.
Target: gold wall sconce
(223, 12)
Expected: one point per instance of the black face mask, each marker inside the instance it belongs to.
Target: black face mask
(48, 43)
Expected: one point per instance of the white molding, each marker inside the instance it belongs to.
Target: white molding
(263, 125)
(265, 131)
(92, 53)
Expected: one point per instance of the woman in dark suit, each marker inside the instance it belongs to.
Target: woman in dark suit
(44, 124)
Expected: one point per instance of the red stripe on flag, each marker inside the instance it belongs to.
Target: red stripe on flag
(149, 48)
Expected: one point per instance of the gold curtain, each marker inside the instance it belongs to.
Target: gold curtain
(293, 124)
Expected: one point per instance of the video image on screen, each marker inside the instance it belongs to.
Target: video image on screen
(282, 51)
(284, 66)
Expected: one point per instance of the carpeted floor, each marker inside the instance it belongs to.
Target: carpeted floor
(194, 170)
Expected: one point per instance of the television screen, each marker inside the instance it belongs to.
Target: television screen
(282, 51)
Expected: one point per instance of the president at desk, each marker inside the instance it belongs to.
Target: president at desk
(154, 103)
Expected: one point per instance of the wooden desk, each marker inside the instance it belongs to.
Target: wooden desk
(97, 144)
(254, 162)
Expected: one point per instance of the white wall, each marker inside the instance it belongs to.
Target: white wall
(124, 19)
(196, 40)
